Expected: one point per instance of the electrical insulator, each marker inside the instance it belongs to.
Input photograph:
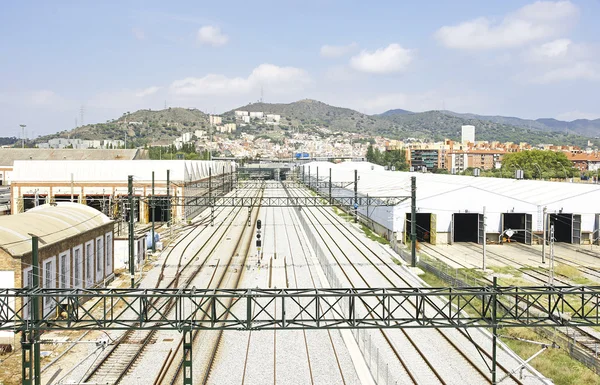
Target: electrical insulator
(258, 224)
(257, 236)
(258, 243)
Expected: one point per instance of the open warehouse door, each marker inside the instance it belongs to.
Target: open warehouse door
(468, 227)
(426, 223)
(521, 225)
(567, 227)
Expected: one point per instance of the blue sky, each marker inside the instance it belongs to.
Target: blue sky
(516, 58)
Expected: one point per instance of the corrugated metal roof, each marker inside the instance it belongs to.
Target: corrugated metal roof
(52, 223)
(9, 155)
(112, 170)
(389, 183)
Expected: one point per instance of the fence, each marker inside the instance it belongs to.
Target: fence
(378, 366)
(457, 278)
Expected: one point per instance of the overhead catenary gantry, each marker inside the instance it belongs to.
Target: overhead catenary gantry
(341, 308)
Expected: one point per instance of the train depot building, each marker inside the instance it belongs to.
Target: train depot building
(103, 185)
(450, 208)
(75, 248)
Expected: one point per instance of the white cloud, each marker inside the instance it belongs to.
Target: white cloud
(147, 91)
(553, 49)
(393, 58)
(274, 78)
(332, 51)
(138, 33)
(576, 71)
(212, 35)
(533, 22)
(574, 115)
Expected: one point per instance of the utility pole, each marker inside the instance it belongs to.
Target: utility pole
(130, 199)
(545, 225)
(330, 198)
(309, 182)
(413, 221)
(36, 311)
(72, 187)
(551, 275)
(212, 209)
(153, 206)
(355, 196)
(317, 185)
(168, 199)
(484, 238)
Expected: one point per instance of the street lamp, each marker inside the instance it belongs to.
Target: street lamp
(23, 135)
(564, 169)
(538, 166)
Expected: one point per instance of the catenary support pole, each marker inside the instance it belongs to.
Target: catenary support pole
(37, 376)
(212, 208)
(484, 239)
(494, 330)
(330, 199)
(413, 221)
(152, 206)
(317, 184)
(187, 357)
(130, 201)
(545, 226)
(309, 179)
(168, 198)
(355, 208)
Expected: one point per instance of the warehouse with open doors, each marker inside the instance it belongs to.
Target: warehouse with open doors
(567, 227)
(457, 201)
(426, 227)
(467, 227)
(516, 227)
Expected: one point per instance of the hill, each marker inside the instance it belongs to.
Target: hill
(162, 126)
(440, 124)
(396, 111)
(141, 127)
(399, 124)
(582, 127)
(308, 113)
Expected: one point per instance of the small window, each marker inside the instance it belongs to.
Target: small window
(109, 253)
(77, 267)
(99, 259)
(64, 269)
(89, 264)
(49, 282)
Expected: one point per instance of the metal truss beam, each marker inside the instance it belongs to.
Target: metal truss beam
(269, 184)
(254, 309)
(287, 201)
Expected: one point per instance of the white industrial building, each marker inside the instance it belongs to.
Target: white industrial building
(450, 207)
(100, 183)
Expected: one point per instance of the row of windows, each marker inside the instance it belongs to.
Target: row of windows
(90, 264)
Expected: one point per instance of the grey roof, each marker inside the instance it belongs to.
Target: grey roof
(9, 155)
(52, 223)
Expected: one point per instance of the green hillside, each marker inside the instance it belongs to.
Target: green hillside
(141, 127)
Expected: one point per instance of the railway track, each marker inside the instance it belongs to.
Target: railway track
(229, 279)
(123, 354)
(378, 266)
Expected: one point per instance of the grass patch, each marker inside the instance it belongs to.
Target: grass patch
(372, 236)
(553, 363)
(506, 270)
(572, 273)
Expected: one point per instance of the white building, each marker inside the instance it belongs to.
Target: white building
(239, 114)
(98, 183)
(215, 120)
(450, 207)
(246, 119)
(257, 115)
(273, 119)
(468, 134)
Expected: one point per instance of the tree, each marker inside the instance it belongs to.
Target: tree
(538, 164)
